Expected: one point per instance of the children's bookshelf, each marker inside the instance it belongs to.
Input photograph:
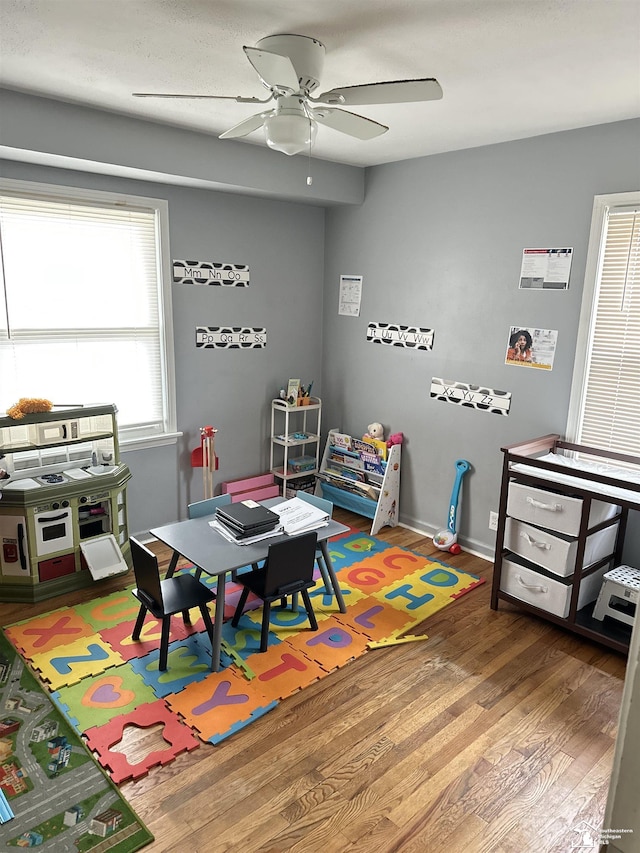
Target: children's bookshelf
(295, 443)
(361, 476)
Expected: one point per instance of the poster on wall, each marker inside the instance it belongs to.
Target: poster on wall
(350, 295)
(545, 269)
(411, 337)
(230, 337)
(471, 396)
(210, 272)
(529, 347)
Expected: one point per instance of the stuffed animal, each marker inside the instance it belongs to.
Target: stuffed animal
(28, 406)
(376, 431)
(395, 438)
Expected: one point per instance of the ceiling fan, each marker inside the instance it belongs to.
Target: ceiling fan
(290, 66)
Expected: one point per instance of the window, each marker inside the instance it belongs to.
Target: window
(605, 398)
(85, 317)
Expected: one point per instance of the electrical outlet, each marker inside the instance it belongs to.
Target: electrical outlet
(493, 520)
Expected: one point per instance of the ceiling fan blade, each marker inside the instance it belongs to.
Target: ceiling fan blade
(391, 92)
(239, 99)
(274, 70)
(244, 128)
(349, 123)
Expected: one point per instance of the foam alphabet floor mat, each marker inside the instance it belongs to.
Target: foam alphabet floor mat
(102, 680)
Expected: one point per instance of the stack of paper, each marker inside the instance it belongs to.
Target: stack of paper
(247, 540)
(298, 516)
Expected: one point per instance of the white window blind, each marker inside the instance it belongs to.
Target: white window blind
(610, 399)
(83, 318)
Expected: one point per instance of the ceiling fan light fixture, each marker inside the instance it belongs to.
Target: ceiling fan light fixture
(290, 132)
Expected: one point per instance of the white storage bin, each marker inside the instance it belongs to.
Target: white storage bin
(554, 510)
(556, 552)
(548, 594)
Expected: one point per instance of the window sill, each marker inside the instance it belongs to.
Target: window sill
(149, 441)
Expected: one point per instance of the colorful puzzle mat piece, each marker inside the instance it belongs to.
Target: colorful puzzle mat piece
(245, 639)
(39, 635)
(373, 619)
(188, 660)
(120, 640)
(109, 610)
(102, 739)
(324, 600)
(242, 724)
(426, 591)
(332, 645)
(69, 664)
(282, 670)
(96, 700)
(283, 621)
(354, 546)
(382, 569)
(219, 702)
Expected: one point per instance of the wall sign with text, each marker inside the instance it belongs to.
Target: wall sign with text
(471, 396)
(210, 272)
(230, 337)
(410, 337)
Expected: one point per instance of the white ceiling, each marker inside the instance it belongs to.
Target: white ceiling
(509, 69)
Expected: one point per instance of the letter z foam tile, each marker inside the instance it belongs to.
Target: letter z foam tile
(69, 664)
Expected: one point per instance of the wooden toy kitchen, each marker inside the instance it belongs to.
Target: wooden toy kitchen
(63, 513)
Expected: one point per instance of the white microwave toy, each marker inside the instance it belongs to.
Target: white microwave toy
(49, 433)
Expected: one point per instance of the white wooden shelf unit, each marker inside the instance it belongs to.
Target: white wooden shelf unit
(295, 443)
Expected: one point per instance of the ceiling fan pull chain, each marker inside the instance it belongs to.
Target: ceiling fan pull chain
(309, 178)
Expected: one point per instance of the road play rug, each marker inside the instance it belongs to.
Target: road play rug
(103, 681)
(59, 797)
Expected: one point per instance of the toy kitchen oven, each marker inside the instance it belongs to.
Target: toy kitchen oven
(63, 514)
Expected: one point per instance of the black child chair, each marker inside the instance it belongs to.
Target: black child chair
(287, 569)
(165, 598)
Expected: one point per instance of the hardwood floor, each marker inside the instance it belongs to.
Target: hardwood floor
(494, 736)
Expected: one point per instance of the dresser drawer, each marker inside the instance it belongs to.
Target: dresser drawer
(554, 510)
(556, 552)
(554, 596)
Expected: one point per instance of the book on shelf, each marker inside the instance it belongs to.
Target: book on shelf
(298, 516)
(379, 447)
(341, 439)
(293, 390)
(346, 472)
(358, 488)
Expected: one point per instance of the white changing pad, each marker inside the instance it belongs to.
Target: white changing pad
(623, 474)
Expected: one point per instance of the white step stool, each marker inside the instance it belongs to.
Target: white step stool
(622, 582)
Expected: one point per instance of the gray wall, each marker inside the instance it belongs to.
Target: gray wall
(283, 244)
(439, 242)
